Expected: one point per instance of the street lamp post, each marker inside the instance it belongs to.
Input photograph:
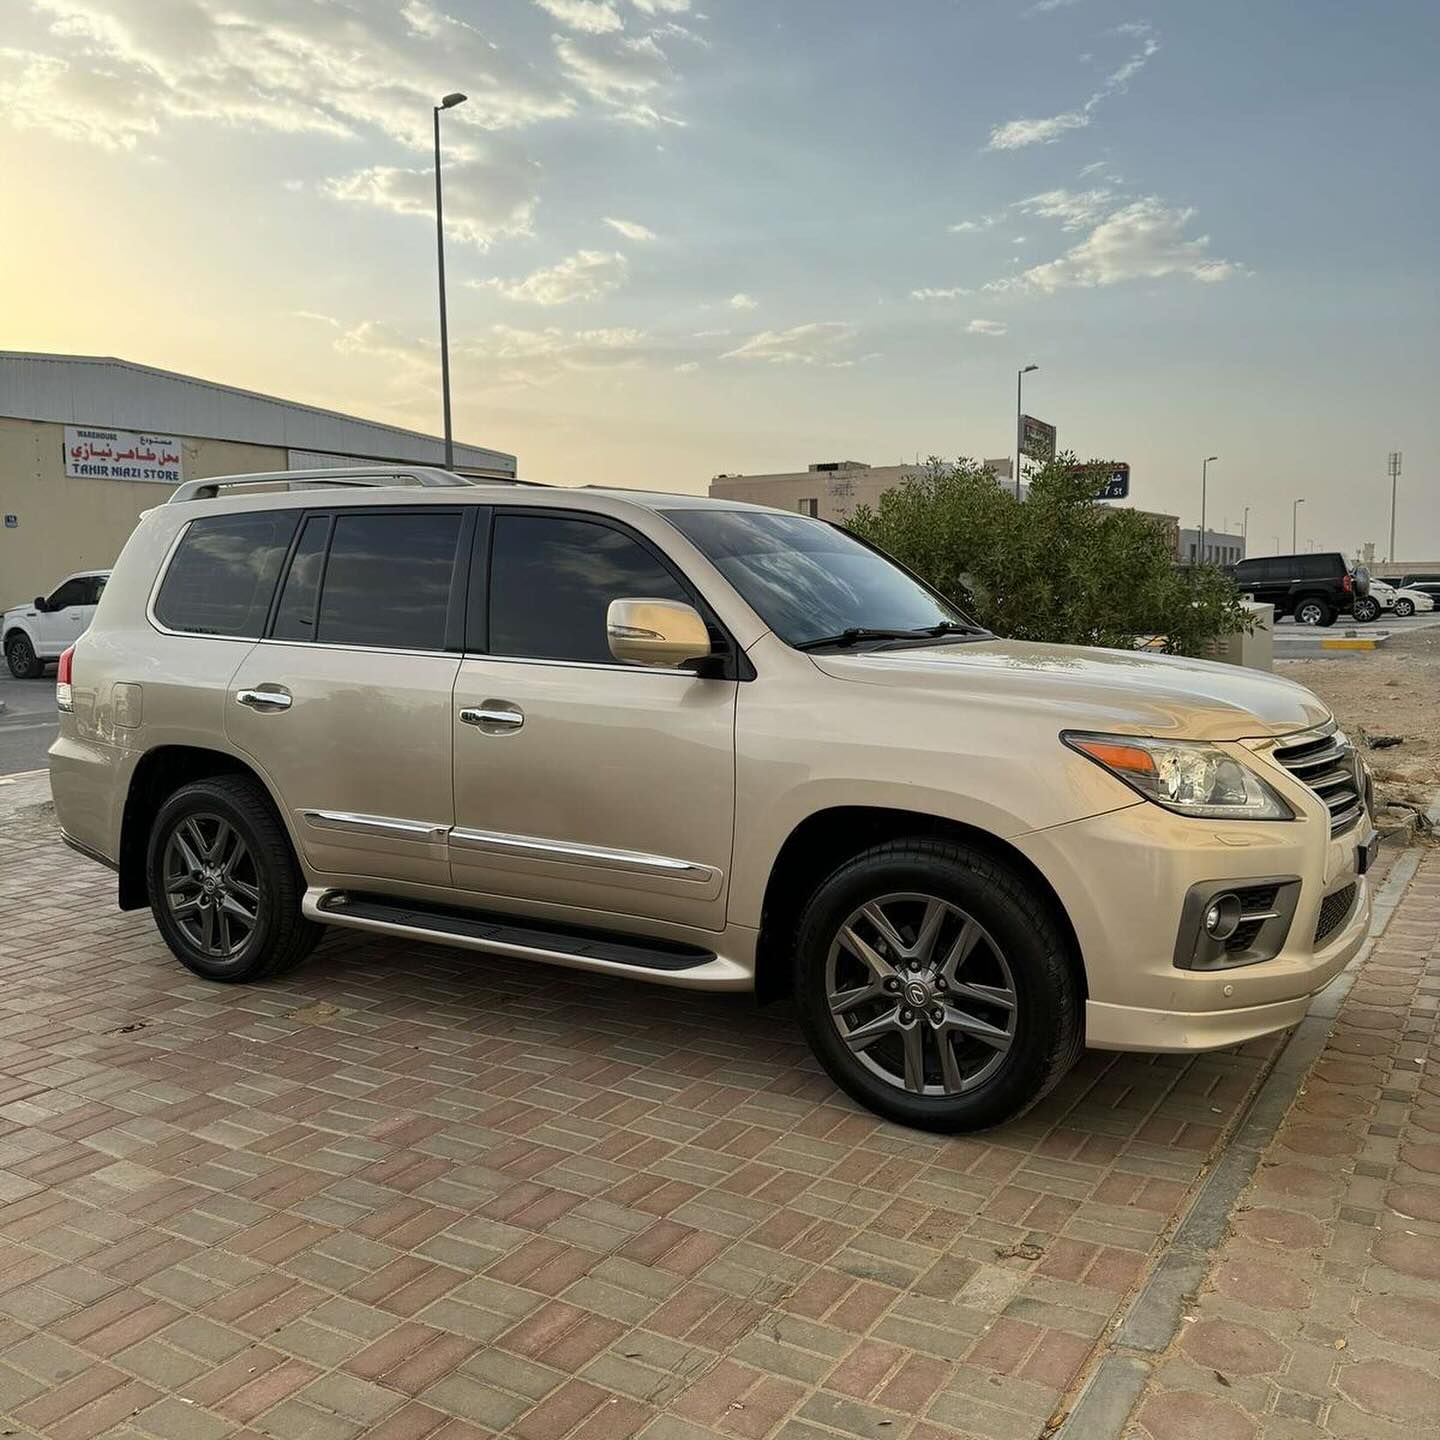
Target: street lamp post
(447, 102)
(1294, 525)
(1245, 532)
(1392, 465)
(1204, 469)
(1019, 422)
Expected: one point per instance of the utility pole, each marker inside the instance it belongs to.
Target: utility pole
(1245, 532)
(1394, 468)
(1294, 525)
(448, 103)
(1203, 471)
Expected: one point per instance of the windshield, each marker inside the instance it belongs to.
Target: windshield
(808, 580)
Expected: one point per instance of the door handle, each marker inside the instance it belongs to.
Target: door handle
(494, 717)
(264, 700)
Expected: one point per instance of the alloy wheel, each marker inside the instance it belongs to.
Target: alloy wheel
(211, 885)
(1309, 614)
(21, 656)
(921, 994)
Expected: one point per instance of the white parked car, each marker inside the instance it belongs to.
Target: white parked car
(1399, 600)
(41, 631)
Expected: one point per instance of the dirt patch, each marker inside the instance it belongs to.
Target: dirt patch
(1381, 693)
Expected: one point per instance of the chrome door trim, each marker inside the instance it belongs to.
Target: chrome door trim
(571, 853)
(484, 658)
(485, 715)
(387, 827)
(265, 699)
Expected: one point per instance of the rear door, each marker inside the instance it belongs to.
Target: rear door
(346, 703)
(580, 781)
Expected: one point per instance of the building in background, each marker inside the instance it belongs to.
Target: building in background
(830, 489)
(87, 443)
(1220, 548)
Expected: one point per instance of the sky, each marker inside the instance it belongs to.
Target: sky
(687, 237)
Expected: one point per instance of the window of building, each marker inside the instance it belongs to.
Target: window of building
(223, 574)
(809, 507)
(387, 580)
(552, 579)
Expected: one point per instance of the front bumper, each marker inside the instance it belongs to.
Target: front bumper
(1123, 878)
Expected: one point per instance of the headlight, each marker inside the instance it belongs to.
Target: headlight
(1184, 776)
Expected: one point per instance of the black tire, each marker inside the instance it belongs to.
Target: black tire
(279, 936)
(1020, 933)
(20, 655)
(1404, 608)
(1367, 608)
(1313, 611)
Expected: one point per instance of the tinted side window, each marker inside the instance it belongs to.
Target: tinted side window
(223, 574)
(72, 592)
(387, 581)
(97, 585)
(295, 617)
(552, 580)
(1317, 567)
(1249, 572)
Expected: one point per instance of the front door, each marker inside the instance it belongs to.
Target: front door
(579, 781)
(67, 613)
(346, 704)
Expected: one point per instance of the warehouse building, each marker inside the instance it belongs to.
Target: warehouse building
(87, 443)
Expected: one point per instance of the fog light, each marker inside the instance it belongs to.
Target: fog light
(1222, 918)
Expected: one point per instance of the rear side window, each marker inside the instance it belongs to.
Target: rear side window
(223, 574)
(552, 580)
(387, 580)
(295, 618)
(1318, 567)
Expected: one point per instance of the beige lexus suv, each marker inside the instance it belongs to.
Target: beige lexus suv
(707, 744)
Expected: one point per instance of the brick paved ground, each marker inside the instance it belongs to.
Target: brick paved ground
(413, 1193)
(1321, 1315)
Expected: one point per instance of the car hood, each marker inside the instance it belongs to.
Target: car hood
(1119, 691)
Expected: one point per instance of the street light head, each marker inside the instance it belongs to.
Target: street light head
(453, 99)
(1029, 368)
(1210, 458)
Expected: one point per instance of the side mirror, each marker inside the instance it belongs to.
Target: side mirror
(41, 606)
(664, 634)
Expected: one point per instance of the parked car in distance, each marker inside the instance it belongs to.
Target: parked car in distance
(37, 633)
(1417, 585)
(1315, 588)
(1398, 599)
(710, 745)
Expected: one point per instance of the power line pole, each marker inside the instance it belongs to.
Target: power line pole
(1394, 468)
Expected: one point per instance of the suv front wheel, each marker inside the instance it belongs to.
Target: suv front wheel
(223, 883)
(935, 987)
(1314, 612)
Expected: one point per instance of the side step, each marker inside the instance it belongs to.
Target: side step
(666, 961)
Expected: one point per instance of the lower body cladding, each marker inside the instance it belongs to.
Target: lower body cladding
(1139, 884)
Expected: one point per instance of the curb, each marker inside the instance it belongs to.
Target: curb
(1102, 1409)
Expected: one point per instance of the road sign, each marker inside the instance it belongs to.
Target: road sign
(1038, 438)
(1111, 478)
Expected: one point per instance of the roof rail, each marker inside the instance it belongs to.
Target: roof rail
(429, 477)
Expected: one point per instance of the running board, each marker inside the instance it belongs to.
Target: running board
(667, 962)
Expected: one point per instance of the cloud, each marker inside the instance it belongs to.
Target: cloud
(123, 71)
(661, 7)
(594, 17)
(954, 292)
(619, 72)
(1016, 134)
(630, 229)
(689, 367)
(987, 327)
(1073, 209)
(821, 343)
(488, 197)
(1045, 7)
(969, 227)
(741, 301)
(1143, 240)
(586, 275)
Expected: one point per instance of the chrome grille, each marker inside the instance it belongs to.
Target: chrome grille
(1324, 760)
(1333, 910)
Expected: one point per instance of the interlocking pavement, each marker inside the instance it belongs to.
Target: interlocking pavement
(1321, 1315)
(415, 1194)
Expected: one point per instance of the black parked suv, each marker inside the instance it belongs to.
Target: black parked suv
(1313, 588)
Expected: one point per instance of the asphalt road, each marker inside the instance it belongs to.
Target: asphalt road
(28, 723)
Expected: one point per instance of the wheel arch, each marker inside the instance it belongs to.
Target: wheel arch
(825, 839)
(158, 774)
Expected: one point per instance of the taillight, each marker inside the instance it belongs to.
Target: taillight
(62, 681)
(1348, 583)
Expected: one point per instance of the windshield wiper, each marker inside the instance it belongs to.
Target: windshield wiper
(857, 633)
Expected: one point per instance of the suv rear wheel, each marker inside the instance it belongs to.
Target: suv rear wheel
(223, 883)
(935, 987)
(1314, 612)
(20, 655)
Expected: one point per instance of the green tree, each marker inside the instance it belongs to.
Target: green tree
(1055, 567)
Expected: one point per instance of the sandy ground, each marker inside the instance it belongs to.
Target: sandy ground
(1394, 691)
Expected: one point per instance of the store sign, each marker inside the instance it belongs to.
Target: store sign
(1038, 439)
(121, 455)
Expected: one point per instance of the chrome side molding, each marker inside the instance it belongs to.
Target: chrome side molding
(571, 853)
(381, 827)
